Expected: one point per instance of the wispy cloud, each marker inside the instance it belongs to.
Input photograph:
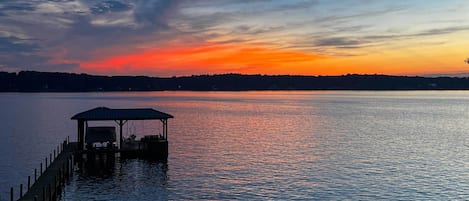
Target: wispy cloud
(61, 35)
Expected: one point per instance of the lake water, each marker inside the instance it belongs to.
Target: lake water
(281, 145)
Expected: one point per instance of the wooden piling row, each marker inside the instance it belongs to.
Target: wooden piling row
(49, 182)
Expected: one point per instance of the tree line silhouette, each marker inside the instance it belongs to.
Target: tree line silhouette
(32, 81)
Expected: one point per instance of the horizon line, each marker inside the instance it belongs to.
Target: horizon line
(436, 75)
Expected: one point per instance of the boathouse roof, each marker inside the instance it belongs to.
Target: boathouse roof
(104, 113)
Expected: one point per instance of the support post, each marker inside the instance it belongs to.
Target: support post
(81, 134)
(49, 192)
(121, 124)
(165, 128)
(72, 160)
(44, 193)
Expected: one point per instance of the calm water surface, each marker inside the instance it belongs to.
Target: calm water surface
(285, 145)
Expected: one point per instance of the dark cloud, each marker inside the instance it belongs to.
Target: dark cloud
(349, 47)
(357, 42)
(202, 23)
(13, 44)
(22, 54)
(430, 32)
(22, 61)
(12, 6)
(154, 13)
(249, 30)
(17, 6)
(336, 18)
(337, 41)
(447, 30)
(348, 29)
(83, 37)
(32, 62)
(294, 6)
(110, 6)
(26, 61)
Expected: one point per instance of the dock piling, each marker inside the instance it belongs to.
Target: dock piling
(70, 167)
(49, 192)
(48, 184)
(11, 194)
(64, 174)
(55, 185)
(66, 168)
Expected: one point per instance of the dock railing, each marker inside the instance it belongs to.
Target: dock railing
(47, 182)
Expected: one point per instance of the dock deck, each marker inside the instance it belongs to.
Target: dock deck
(49, 184)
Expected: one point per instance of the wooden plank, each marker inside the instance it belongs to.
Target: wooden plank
(50, 182)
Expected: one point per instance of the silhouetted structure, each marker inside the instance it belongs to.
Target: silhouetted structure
(154, 146)
(96, 161)
(30, 81)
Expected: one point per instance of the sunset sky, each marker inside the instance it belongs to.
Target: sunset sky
(185, 37)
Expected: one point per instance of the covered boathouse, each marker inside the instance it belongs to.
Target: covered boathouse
(153, 146)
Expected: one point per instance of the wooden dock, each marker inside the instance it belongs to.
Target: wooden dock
(59, 168)
(49, 184)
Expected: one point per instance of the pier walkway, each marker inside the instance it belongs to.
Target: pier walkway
(49, 184)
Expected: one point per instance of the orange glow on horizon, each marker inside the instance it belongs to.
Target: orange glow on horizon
(175, 59)
(211, 58)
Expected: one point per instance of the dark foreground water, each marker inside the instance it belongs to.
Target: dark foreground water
(285, 145)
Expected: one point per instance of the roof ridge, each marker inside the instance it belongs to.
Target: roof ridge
(104, 113)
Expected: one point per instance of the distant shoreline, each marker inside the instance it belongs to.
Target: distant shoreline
(234, 91)
(32, 81)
